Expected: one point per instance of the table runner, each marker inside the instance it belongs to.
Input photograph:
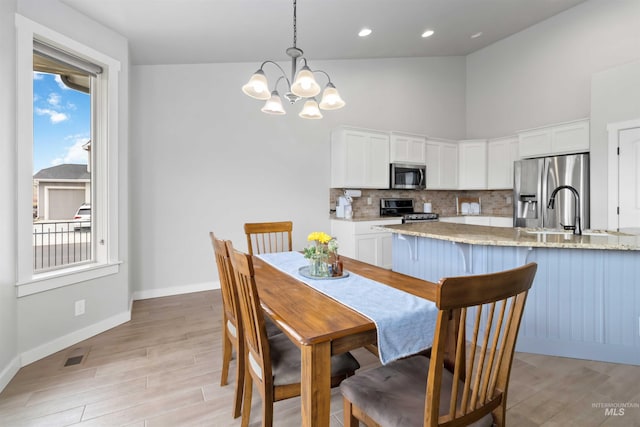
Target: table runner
(405, 323)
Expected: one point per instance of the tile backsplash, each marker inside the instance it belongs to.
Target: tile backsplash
(493, 202)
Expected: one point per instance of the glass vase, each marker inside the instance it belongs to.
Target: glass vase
(319, 266)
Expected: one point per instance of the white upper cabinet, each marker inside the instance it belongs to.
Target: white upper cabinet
(472, 166)
(407, 148)
(564, 138)
(442, 164)
(501, 153)
(359, 158)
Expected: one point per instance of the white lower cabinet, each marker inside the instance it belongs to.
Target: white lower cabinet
(357, 239)
(493, 221)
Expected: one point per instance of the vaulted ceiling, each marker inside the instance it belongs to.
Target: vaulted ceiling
(207, 31)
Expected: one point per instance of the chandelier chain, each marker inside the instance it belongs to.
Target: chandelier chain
(295, 27)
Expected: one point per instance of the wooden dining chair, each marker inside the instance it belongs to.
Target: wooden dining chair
(422, 391)
(232, 338)
(232, 331)
(272, 363)
(266, 237)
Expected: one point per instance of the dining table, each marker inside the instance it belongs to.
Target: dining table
(321, 326)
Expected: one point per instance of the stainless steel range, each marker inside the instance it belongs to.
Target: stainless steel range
(404, 209)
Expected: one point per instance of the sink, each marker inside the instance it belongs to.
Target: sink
(569, 232)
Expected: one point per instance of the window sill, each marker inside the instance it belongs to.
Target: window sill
(69, 276)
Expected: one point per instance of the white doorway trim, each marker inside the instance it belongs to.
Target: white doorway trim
(614, 130)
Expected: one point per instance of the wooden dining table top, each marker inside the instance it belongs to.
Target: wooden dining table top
(308, 316)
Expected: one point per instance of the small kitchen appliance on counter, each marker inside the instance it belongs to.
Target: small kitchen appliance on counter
(404, 209)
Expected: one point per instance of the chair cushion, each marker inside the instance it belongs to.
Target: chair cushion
(394, 394)
(272, 328)
(286, 361)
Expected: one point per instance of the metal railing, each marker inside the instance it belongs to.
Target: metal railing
(60, 243)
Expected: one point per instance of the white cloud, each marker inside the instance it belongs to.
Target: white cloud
(54, 116)
(60, 83)
(38, 75)
(54, 99)
(74, 153)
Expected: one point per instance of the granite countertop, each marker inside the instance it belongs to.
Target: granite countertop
(502, 236)
(358, 218)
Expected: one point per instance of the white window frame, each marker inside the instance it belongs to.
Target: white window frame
(105, 217)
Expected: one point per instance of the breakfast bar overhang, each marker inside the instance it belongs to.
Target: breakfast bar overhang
(585, 300)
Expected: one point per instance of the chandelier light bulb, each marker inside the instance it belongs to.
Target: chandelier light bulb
(257, 86)
(274, 104)
(310, 110)
(305, 84)
(331, 99)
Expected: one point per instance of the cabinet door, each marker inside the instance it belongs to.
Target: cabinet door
(534, 143)
(385, 242)
(570, 138)
(442, 165)
(472, 164)
(407, 149)
(449, 166)
(359, 159)
(433, 165)
(500, 157)
(366, 248)
(377, 175)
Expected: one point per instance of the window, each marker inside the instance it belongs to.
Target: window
(63, 95)
(72, 249)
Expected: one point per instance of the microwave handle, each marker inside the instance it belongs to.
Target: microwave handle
(422, 182)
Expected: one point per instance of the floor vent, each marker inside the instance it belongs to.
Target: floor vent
(73, 361)
(76, 356)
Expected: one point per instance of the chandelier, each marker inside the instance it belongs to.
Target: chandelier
(304, 86)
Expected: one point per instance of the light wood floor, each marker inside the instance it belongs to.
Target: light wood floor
(163, 369)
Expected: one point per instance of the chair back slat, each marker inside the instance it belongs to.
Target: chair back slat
(483, 363)
(227, 281)
(257, 346)
(267, 237)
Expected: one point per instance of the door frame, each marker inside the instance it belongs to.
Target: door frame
(614, 130)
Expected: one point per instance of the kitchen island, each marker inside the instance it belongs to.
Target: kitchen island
(585, 300)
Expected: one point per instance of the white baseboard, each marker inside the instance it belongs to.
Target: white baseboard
(8, 372)
(65, 341)
(72, 338)
(175, 290)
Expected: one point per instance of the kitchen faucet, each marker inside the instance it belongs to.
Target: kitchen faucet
(577, 229)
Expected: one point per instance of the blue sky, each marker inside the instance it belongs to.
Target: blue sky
(61, 122)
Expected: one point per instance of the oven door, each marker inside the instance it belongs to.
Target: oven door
(412, 177)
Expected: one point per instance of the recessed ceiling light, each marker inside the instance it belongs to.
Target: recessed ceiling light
(427, 33)
(476, 35)
(364, 32)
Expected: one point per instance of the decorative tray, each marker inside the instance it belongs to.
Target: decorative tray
(304, 272)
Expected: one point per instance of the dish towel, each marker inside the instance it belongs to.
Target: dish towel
(405, 323)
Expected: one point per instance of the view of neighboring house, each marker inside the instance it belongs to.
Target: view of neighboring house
(60, 190)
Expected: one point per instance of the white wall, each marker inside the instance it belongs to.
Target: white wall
(615, 97)
(543, 75)
(9, 362)
(206, 158)
(46, 321)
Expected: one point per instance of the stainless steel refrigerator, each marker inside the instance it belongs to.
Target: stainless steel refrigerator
(534, 183)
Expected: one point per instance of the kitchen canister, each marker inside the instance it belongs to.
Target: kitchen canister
(426, 207)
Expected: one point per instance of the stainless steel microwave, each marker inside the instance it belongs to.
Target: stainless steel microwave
(408, 177)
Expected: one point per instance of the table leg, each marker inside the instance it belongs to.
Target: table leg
(316, 384)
